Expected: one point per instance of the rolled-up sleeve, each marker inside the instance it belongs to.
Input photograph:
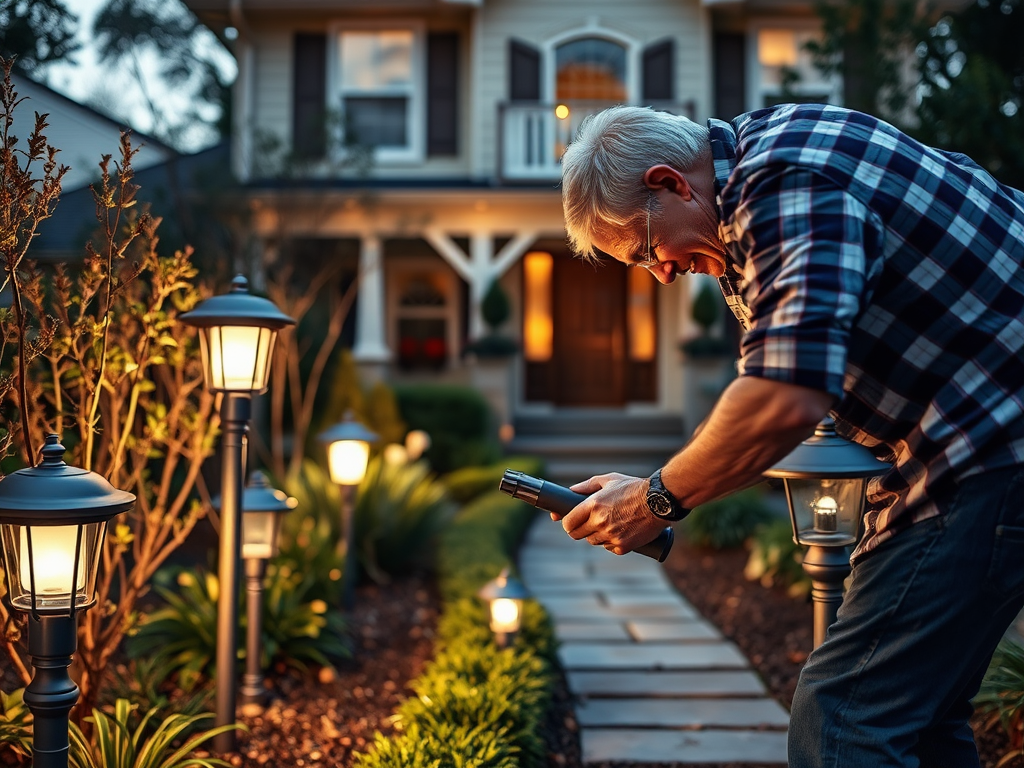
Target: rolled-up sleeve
(805, 245)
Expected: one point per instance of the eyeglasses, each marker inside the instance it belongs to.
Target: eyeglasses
(652, 258)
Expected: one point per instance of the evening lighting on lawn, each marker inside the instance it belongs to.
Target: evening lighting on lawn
(826, 480)
(348, 451)
(505, 596)
(262, 509)
(52, 522)
(237, 332)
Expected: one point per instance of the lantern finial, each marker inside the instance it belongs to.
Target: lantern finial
(53, 451)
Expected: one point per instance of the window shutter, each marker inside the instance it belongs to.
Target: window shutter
(659, 72)
(524, 72)
(442, 93)
(309, 86)
(730, 74)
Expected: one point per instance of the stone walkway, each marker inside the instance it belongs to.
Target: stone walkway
(653, 681)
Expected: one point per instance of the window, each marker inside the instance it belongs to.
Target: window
(378, 81)
(590, 69)
(785, 68)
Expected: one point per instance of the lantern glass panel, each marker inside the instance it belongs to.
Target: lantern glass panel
(237, 358)
(347, 460)
(52, 563)
(506, 614)
(827, 511)
(259, 535)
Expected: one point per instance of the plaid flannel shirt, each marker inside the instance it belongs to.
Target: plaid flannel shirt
(889, 274)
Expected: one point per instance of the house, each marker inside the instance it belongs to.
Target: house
(83, 136)
(467, 105)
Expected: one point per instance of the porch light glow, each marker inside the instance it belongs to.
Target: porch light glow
(538, 328)
(641, 323)
(776, 48)
(561, 111)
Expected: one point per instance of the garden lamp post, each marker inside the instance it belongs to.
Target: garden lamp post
(826, 479)
(505, 596)
(262, 509)
(348, 452)
(52, 522)
(237, 332)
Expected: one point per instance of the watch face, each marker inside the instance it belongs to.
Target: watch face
(659, 505)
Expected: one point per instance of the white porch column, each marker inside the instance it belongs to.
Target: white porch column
(371, 339)
(481, 250)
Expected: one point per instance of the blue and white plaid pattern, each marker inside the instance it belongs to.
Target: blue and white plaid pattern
(890, 274)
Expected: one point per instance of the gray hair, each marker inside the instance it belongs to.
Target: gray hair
(603, 192)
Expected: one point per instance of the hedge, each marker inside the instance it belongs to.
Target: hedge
(476, 705)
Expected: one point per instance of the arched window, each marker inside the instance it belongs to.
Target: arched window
(590, 69)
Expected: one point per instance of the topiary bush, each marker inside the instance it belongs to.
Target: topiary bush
(728, 522)
(458, 420)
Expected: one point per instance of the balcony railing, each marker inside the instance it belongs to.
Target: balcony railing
(533, 137)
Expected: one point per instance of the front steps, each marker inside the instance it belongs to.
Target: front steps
(579, 443)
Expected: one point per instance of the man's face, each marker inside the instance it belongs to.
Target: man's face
(683, 236)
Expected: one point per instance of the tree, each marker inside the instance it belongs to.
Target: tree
(867, 42)
(127, 31)
(972, 72)
(36, 32)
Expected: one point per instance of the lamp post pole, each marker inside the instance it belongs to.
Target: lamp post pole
(252, 680)
(52, 641)
(236, 409)
(350, 573)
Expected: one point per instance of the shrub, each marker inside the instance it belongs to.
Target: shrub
(728, 522)
(15, 723)
(775, 559)
(181, 635)
(148, 683)
(467, 483)
(458, 420)
(476, 705)
(400, 508)
(114, 744)
(1002, 694)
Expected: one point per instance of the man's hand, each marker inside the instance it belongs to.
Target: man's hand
(615, 516)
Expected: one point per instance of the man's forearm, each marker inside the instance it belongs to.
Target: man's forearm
(755, 423)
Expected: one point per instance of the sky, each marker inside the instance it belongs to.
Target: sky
(118, 93)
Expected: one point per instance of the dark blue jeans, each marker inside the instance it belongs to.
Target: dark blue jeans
(892, 683)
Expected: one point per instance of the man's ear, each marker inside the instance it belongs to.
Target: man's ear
(666, 177)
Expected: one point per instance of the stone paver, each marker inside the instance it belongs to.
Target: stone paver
(654, 682)
(671, 746)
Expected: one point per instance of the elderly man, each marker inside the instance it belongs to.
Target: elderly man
(878, 280)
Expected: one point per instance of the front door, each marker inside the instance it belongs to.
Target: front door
(589, 314)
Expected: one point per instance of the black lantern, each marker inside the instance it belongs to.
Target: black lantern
(52, 522)
(237, 335)
(262, 509)
(348, 452)
(505, 596)
(826, 480)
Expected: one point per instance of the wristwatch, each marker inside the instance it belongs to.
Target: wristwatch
(662, 503)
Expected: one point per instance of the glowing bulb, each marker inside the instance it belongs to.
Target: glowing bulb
(561, 111)
(826, 513)
(504, 615)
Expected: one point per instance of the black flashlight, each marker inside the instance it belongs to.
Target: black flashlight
(552, 497)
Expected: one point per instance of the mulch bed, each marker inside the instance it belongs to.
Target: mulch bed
(322, 719)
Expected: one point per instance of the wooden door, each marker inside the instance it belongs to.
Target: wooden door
(589, 313)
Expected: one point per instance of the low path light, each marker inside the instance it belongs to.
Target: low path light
(263, 506)
(826, 480)
(505, 596)
(237, 332)
(348, 452)
(52, 522)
